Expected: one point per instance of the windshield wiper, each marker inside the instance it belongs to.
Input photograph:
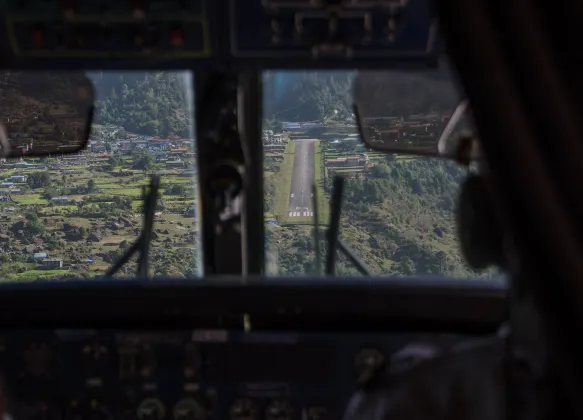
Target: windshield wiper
(334, 241)
(316, 227)
(142, 244)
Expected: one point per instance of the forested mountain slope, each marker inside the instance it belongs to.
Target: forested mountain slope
(399, 219)
(306, 96)
(150, 103)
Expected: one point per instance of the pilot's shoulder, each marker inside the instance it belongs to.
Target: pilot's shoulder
(466, 382)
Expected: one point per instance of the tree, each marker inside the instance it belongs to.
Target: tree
(406, 266)
(143, 161)
(49, 193)
(31, 217)
(115, 161)
(91, 187)
(35, 227)
(380, 171)
(38, 179)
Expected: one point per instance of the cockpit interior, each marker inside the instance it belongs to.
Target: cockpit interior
(289, 209)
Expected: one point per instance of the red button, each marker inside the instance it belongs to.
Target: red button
(138, 9)
(67, 7)
(38, 38)
(176, 38)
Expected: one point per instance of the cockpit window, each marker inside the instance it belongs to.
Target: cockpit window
(398, 211)
(72, 216)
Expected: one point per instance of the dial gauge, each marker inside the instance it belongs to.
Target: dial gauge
(151, 409)
(278, 410)
(243, 409)
(188, 409)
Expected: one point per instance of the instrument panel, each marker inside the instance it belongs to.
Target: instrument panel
(203, 33)
(190, 375)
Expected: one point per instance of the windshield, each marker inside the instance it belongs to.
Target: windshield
(72, 216)
(398, 210)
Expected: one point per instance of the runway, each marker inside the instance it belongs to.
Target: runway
(300, 200)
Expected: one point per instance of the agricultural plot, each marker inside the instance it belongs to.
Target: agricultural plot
(97, 221)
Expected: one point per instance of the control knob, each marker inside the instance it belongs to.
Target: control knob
(37, 359)
(367, 361)
(318, 413)
(97, 411)
(192, 360)
(148, 362)
(95, 356)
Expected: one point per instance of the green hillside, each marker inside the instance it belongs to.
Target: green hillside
(150, 103)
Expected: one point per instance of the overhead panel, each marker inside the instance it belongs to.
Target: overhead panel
(108, 28)
(333, 30)
(204, 34)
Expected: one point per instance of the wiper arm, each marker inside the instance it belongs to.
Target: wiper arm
(334, 241)
(316, 228)
(333, 230)
(354, 259)
(142, 244)
(150, 201)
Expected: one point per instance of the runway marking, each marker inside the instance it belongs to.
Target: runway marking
(292, 196)
(301, 214)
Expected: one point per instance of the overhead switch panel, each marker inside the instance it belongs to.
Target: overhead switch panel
(332, 28)
(108, 28)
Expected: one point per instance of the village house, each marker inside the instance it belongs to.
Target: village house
(40, 256)
(17, 178)
(52, 263)
(178, 152)
(21, 164)
(185, 143)
(177, 163)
